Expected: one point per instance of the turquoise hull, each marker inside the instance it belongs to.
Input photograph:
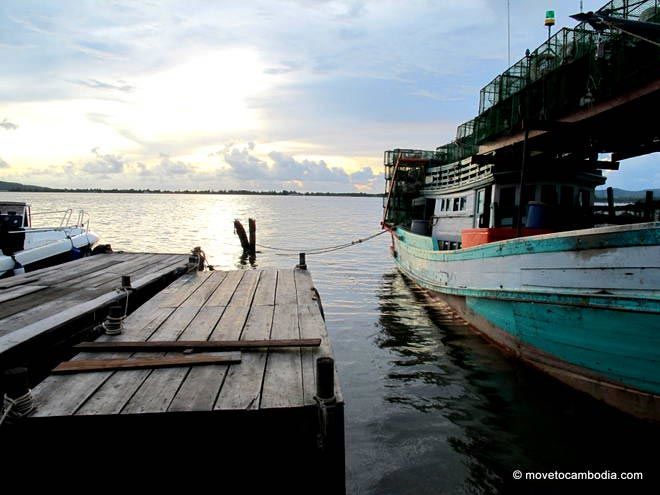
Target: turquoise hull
(607, 345)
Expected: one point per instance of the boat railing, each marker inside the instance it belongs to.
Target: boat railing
(82, 220)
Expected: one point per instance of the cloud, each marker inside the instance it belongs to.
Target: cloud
(104, 164)
(285, 167)
(9, 126)
(282, 168)
(364, 175)
(96, 84)
(3, 164)
(170, 167)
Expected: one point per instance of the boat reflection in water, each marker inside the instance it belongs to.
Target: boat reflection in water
(450, 392)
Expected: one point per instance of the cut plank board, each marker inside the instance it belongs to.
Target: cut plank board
(82, 365)
(183, 345)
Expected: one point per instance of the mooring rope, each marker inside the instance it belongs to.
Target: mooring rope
(320, 250)
(18, 407)
(639, 37)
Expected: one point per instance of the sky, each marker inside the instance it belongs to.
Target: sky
(261, 95)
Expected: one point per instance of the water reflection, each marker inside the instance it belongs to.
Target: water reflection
(493, 412)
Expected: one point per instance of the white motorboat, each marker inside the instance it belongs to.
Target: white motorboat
(25, 248)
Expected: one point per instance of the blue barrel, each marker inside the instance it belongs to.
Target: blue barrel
(539, 215)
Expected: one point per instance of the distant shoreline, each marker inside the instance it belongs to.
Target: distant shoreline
(239, 192)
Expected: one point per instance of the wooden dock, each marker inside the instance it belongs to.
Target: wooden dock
(263, 411)
(47, 308)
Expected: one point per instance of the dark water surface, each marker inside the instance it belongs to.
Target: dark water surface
(429, 409)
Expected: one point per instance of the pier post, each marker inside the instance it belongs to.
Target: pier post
(649, 211)
(240, 232)
(252, 226)
(302, 263)
(611, 214)
(331, 425)
(126, 282)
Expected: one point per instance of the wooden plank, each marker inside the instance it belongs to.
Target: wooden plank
(242, 386)
(205, 289)
(265, 294)
(246, 289)
(173, 299)
(207, 345)
(65, 272)
(305, 291)
(52, 300)
(64, 395)
(158, 391)
(110, 278)
(286, 288)
(31, 277)
(282, 385)
(85, 365)
(113, 395)
(311, 323)
(225, 291)
(171, 262)
(19, 291)
(113, 270)
(71, 310)
(201, 386)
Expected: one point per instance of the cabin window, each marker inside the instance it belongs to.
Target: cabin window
(549, 194)
(456, 204)
(463, 203)
(481, 199)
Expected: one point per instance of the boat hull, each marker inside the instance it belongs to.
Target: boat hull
(604, 342)
(45, 247)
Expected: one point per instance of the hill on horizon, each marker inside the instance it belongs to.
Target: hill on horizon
(624, 194)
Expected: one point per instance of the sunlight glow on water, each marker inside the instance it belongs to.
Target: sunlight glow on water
(429, 409)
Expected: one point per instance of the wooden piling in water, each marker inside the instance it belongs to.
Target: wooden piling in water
(649, 211)
(252, 226)
(611, 214)
(240, 232)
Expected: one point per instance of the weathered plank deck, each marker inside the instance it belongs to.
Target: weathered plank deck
(237, 305)
(36, 304)
(261, 411)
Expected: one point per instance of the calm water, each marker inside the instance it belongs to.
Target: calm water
(428, 409)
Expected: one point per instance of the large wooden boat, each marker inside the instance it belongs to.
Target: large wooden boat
(501, 222)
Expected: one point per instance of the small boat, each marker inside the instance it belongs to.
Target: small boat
(26, 248)
(501, 223)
